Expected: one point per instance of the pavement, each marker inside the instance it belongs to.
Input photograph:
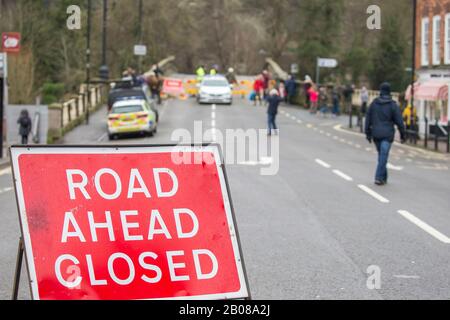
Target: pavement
(317, 228)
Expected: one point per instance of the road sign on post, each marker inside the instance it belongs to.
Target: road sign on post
(150, 222)
(324, 63)
(140, 50)
(11, 42)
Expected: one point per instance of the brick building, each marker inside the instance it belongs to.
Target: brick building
(432, 45)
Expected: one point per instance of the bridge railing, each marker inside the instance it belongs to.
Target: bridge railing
(64, 116)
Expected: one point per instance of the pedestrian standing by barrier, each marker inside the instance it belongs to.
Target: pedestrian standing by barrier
(336, 97)
(266, 81)
(274, 101)
(348, 97)
(383, 114)
(291, 88)
(258, 88)
(364, 104)
(323, 98)
(201, 72)
(24, 122)
(314, 99)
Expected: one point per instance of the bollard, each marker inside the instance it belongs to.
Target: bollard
(436, 137)
(350, 116)
(448, 136)
(426, 133)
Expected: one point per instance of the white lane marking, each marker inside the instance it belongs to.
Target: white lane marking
(5, 171)
(213, 123)
(424, 226)
(396, 168)
(323, 163)
(213, 107)
(213, 115)
(328, 134)
(5, 190)
(299, 121)
(262, 161)
(309, 125)
(401, 276)
(293, 118)
(103, 136)
(358, 146)
(342, 175)
(373, 193)
(368, 149)
(321, 132)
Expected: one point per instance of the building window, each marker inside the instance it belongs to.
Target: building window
(447, 39)
(437, 40)
(425, 41)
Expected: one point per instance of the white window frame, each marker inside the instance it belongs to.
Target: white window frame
(436, 55)
(425, 43)
(447, 39)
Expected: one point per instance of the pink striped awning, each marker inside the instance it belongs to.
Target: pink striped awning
(429, 91)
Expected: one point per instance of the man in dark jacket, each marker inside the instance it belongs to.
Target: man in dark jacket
(381, 117)
(291, 88)
(24, 122)
(273, 100)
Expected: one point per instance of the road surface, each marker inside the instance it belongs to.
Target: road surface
(312, 230)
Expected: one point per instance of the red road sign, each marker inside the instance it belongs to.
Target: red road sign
(11, 42)
(173, 86)
(128, 223)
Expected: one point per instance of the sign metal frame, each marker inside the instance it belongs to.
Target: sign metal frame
(25, 247)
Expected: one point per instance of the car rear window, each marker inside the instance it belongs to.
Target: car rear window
(127, 109)
(215, 83)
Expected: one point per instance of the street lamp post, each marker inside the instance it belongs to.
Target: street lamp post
(104, 71)
(88, 58)
(141, 12)
(412, 118)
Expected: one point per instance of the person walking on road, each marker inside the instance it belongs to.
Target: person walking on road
(273, 101)
(24, 122)
(383, 114)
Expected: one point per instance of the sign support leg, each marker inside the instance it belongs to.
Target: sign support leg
(18, 270)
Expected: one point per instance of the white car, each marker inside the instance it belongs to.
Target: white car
(215, 89)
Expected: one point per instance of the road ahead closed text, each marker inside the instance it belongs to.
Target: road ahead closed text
(128, 226)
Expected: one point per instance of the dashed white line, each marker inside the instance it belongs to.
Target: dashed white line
(342, 175)
(424, 226)
(401, 276)
(213, 115)
(213, 107)
(5, 190)
(103, 136)
(373, 193)
(213, 123)
(323, 163)
(299, 121)
(5, 171)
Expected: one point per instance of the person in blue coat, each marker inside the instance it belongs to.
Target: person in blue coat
(273, 101)
(382, 117)
(291, 88)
